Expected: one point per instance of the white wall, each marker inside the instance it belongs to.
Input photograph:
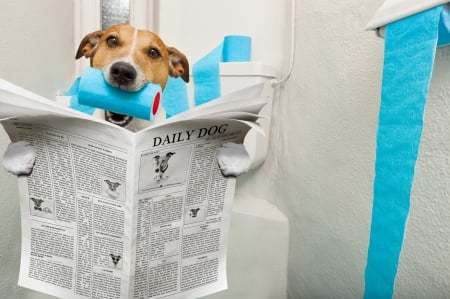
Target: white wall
(321, 163)
(36, 52)
(320, 168)
(198, 26)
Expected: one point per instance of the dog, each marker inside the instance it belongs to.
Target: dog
(162, 163)
(37, 203)
(193, 212)
(112, 185)
(115, 259)
(129, 58)
(112, 189)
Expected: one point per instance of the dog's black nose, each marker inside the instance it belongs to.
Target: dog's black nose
(123, 73)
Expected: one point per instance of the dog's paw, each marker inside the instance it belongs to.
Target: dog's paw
(233, 159)
(19, 158)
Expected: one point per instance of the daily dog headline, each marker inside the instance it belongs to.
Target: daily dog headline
(187, 135)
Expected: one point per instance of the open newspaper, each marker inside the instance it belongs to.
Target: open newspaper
(101, 219)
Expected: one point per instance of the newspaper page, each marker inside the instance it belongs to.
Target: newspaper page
(76, 235)
(183, 209)
(107, 213)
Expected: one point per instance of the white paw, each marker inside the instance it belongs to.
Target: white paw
(233, 159)
(19, 158)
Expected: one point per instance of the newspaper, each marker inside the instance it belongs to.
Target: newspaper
(102, 219)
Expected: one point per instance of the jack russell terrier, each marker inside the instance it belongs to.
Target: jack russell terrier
(129, 58)
(115, 259)
(161, 165)
(112, 189)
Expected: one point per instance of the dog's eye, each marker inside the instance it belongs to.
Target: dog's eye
(153, 53)
(112, 41)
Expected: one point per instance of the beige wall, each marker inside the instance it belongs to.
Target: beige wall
(36, 52)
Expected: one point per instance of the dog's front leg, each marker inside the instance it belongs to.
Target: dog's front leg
(19, 158)
(233, 159)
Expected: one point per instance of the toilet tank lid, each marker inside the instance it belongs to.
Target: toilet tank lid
(247, 69)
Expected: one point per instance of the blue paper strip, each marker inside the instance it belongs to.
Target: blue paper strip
(206, 71)
(410, 46)
(175, 99)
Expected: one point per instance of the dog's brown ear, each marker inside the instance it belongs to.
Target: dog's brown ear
(179, 65)
(88, 44)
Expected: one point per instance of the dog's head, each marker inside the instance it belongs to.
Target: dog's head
(162, 162)
(112, 185)
(194, 212)
(37, 202)
(115, 258)
(129, 58)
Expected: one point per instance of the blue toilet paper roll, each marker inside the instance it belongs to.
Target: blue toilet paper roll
(236, 48)
(94, 91)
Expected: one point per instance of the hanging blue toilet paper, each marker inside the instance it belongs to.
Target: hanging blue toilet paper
(234, 48)
(91, 91)
(410, 48)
